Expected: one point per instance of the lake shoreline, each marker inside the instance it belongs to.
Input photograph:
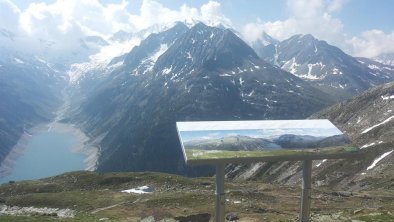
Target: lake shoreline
(84, 145)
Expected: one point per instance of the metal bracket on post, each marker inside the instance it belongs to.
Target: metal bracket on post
(306, 191)
(220, 196)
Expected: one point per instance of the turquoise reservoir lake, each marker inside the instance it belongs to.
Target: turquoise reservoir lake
(47, 154)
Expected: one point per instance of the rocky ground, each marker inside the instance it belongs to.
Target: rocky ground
(89, 196)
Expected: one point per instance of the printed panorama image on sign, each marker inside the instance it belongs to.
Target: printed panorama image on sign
(242, 139)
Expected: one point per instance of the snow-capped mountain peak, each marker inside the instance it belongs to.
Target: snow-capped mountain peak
(387, 59)
(325, 66)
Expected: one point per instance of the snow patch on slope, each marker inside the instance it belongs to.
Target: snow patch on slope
(151, 61)
(387, 97)
(101, 59)
(377, 160)
(336, 71)
(370, 144)
(139, 190)
(18, 61)
(163, 48)
(319, 164)
(381, 123)
(375, 67)
(167, 70)
(310, 75)
(291, 66)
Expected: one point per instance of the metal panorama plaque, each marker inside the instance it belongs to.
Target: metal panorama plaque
(270, 140)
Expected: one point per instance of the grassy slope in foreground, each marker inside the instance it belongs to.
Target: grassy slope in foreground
(96, 196)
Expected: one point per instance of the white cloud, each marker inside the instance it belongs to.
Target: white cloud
(56, 30)
(61, 25)
(305, 16)
(316, 17)
(211, 14)
(305, 8)
(279, 29)
(336, 5)
(60, 17)
(9, 14)
(93, 17)
(373, 43)
(154, 13)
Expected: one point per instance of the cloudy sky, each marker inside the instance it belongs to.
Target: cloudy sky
(361, 28)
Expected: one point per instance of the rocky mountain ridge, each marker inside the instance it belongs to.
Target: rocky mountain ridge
(324, 66)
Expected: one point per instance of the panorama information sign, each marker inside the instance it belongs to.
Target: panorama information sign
(221, 142)
(269, 140)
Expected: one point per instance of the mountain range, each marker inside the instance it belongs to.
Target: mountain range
(291, 141)
(324, 66)
(129, 104)
(232, 143)
(184, 74)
